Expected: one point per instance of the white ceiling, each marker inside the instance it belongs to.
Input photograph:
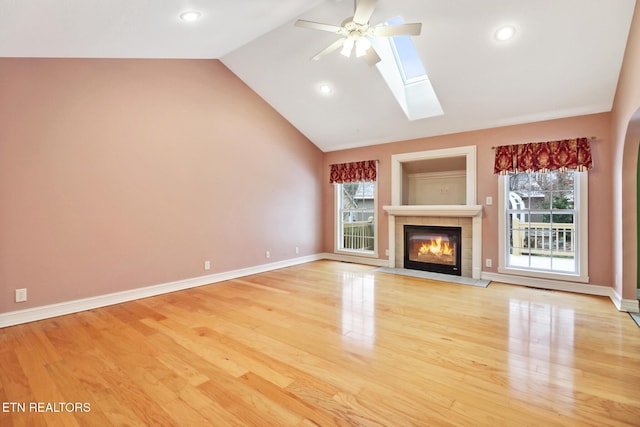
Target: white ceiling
(564, 60)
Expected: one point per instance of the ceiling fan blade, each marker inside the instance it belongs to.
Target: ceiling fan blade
(317, 26)
(333, 46)
(364, 10)
(396, 30)
(371, 57)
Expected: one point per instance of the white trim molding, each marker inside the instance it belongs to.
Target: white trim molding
(566, 286)
(68, 307)
(53, 310)
(363, 259)
(628, 305)
(435, 210)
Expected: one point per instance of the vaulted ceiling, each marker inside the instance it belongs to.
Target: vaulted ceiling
(564, 59)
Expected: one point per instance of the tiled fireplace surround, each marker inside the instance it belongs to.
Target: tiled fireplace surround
(467, 216)
(464, 223)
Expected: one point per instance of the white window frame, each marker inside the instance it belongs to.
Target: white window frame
(581, 205)
(337, 188)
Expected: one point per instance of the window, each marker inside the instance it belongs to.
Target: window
(544, 224)
(356, 217)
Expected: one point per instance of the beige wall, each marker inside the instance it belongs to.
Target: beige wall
(120, 174)
(600, 181)
(626, 138)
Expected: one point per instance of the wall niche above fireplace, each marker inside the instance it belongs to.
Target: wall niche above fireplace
(461, 211)
(434, 177)
(434, 181)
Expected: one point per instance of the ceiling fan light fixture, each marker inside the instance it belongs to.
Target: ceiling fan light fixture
(362, 46)
(347, 47)
(358, 33)
(190, 15)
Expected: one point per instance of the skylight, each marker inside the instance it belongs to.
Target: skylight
(404, 73)
(406, 55)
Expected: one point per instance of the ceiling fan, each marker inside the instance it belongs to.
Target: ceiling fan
(355, 32)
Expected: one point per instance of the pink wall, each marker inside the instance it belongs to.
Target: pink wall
(626, 138)
(116, 174)
(120, 174)
(600, 181)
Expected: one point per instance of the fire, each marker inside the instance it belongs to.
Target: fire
(436, 247)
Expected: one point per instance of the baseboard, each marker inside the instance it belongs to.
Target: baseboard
(580, 288)
(356, 259)
(68, 307)
(75, 306)
(628, 305)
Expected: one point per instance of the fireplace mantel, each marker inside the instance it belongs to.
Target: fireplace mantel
(435, 210)
(407, 212)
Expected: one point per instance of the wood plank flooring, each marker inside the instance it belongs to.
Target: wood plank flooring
(328, 344)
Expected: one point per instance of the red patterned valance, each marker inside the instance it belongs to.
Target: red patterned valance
(353, 172)
(574, 154)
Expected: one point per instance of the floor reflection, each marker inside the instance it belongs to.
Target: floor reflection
(541, 339)
(358, 309)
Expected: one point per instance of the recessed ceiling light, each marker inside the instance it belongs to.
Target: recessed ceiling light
(325, 89)
(505, 33)
(190, 15)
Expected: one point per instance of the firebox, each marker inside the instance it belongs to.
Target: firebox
(433, 248)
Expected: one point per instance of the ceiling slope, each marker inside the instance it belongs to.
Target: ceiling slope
(564, 60)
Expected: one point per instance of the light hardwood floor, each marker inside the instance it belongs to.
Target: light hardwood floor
(329, 343)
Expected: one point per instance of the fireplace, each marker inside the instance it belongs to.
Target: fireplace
(433, 248)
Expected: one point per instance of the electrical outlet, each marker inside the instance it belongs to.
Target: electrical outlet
(488, 262)
(21, 295)
(207, 265)
(489, 201)
(297, 250)
(267, 254)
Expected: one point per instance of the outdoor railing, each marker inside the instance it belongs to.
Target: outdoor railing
(358, 235)
(542, 238)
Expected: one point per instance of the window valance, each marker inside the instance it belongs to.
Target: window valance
(574, 154)
(353, 172)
